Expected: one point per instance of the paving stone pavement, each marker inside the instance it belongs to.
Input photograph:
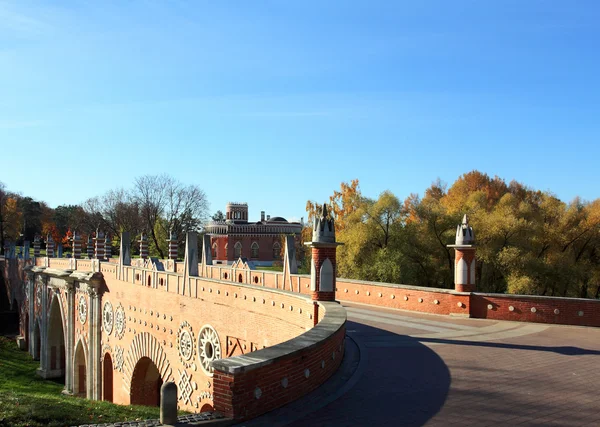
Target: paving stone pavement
(202, 418)
(427, 370)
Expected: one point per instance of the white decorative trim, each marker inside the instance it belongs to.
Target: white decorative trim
(209, 348)
(107, 317)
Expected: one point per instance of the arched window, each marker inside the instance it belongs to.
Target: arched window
(254, 248)
(237, 250)
(214, 251)
(276, 250)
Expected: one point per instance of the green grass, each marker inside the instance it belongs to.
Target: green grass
(278, 268)
(28, 400)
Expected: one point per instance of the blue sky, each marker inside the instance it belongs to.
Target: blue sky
(277, 102)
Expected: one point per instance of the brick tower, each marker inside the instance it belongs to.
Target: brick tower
(464, 261)
(323, 264)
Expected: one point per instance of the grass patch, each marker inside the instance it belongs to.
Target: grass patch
(278, 268)
(28, 400)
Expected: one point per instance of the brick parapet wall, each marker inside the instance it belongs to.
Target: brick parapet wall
(472, 305)
(247, 387)
(424, 300)
(538, 309)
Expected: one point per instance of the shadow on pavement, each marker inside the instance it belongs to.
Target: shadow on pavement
(399, 386)
(564, 350)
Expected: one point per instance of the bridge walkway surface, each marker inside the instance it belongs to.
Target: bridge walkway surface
(412, 369)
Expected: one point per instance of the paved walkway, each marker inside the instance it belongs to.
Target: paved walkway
(416, 369)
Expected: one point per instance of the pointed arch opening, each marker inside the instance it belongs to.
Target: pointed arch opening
(37, 340)
(107, 378)
(237, 250)
(56, 339)
(80, 371)
(276, 251)
(26, 328)
(146, 382)
(254, 250)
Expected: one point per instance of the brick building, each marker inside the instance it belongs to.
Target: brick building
(259, 242)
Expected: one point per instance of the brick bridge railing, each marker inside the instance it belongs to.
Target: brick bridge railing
(308, 335)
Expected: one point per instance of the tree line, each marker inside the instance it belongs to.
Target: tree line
(528, 241)
(154, 204)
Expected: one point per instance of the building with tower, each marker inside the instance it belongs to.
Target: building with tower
(259, 242)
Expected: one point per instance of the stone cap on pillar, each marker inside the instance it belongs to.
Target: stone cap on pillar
(323, 230)
(465, 236)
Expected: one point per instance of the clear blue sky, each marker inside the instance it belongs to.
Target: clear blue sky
(277, 102)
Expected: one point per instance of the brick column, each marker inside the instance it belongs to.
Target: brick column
(90, 247)
(99, 242)
(464, 261)
(36, 246)
(323, 263)
(76, 245)
(320, 254)
(143, 246)
(49, 246)
(172, 245)
(107, 247)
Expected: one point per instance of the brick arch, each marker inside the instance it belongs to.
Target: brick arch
(145, 345)
(80, 364)
(61, 307)
(56, 336)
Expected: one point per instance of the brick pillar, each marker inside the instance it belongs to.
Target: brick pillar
(36, 246)
(172, 245)
(321, 271)
(464, 260)
(99, 242)
(49, 246)
(90, 247)
(76, 245)
(323, 264)
(107, 247)
(143, 246)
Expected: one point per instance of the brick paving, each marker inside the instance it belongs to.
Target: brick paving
(466, 372)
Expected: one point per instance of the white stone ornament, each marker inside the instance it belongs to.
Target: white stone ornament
(120, 321)
(118, 358)
(82, 309)
(38, 295)
(185, 343)
(209, 348)
(107, 317)
(185, 387)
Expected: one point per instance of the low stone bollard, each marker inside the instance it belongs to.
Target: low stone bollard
(168, 403)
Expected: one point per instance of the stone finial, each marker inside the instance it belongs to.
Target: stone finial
(323, 227)
(464, 233)
(125, 249)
